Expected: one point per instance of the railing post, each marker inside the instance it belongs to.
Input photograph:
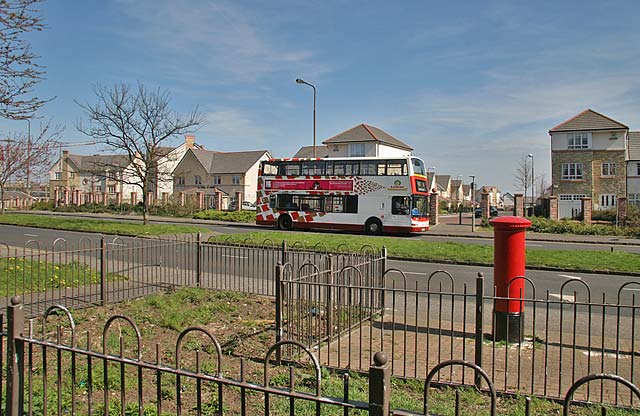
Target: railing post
(329, 307)
(15, 358)
(279, 294)
(379, 385)
(283, 258)
(198, 259)
(382, 282)
(103, 271)
(479, 338)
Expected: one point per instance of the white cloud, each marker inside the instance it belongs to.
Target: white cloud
(202, 39)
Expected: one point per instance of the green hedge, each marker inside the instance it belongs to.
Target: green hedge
(544, 225)
(231, 216)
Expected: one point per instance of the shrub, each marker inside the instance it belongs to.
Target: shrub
(42, 206)
(545, 225)
(604, 215)
(231, 216)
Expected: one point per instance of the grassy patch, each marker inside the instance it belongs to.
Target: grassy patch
(415, 249)
(21, 275)
(96, 226)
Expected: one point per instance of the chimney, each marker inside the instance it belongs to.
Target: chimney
(190, 140)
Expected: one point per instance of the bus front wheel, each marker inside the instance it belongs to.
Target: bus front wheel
(285, 223)
(373, 226)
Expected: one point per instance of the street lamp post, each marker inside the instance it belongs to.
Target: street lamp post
(301, 81)
(533, 186)
(473, 203)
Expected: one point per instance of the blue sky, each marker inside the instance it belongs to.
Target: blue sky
(472, 86)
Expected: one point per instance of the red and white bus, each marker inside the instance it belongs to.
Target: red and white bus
(369, 194)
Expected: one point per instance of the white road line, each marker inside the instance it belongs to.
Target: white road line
(31, 235)
(570, 277)
(631, 289)
(535, 245)
(235, 257)
(418, 273)
(566, 298)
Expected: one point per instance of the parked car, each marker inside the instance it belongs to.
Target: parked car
(493, 212)
(246, 206)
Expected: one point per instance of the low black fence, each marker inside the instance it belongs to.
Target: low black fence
(100, 270)
(58, 376)
(420, 323)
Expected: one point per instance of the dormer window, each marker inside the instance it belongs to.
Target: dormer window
(576, 141)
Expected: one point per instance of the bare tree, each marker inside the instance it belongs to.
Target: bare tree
(543, 185)
(522, 175)
(19, 72)
(22, 155)
(137, 122)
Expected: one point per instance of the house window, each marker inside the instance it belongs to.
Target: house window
(572, 197)
(356, 150)
(180, 180)
(59, 175)
(217, 180)
(236, 180)
(98, 188)
(638, 169)
(571, 171)
(578, 141)
(72, 175)
(111, 175)
(112, 189)
(197, 180)
(608, 169)
(607, 201)
(634, 199)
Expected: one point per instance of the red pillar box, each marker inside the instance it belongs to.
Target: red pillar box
(509, 262)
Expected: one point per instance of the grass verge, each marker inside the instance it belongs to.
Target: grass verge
(96, 226)
(449, 252)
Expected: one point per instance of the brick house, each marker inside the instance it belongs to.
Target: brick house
(219, 176)
(588, 160)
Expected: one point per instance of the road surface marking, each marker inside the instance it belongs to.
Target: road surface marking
(535, 245)
(31, 235)
(235, 257)
(418, 273)
(570, 277)
(631, 289)
(566, 298)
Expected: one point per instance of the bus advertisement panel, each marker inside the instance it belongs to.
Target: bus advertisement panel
(373, 195)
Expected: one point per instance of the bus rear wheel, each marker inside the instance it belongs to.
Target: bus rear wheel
(285, 223)
(373, 226)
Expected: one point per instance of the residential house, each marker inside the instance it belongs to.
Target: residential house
(219, 174)
(633, 168)
(457, 192)
(588, 160)
(467, 197)
(366, 141)
(443, 184)
(161, 180)
(89, 175)
(306, 152)
(508, 201)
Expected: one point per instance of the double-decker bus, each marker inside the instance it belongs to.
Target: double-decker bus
(369, 194)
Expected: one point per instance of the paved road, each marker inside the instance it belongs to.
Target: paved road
(416, 272)
(19, 235)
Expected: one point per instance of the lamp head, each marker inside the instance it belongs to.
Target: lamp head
(299, 81)
(530, 154)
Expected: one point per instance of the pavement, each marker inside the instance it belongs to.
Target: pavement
(448, 226)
